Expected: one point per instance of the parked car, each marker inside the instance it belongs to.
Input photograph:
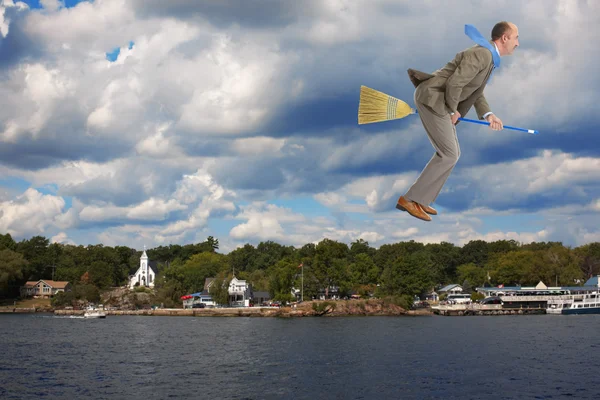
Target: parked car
(199, 305)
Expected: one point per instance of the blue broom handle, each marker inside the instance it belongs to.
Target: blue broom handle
(534, 132)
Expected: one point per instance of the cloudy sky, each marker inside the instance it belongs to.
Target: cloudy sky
(151, 122)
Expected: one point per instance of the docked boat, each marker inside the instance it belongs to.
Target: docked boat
(93, 312)
(578, 300)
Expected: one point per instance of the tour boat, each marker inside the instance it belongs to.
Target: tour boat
(579, 300)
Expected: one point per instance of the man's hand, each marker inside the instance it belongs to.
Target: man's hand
(454, 118)
(495, 122)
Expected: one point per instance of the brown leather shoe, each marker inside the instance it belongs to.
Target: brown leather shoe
(428, 210)
(412, 208)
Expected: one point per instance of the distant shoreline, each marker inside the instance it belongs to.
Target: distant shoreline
(338, 308)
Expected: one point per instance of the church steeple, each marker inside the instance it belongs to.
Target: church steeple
(145, 275)
(144, 268)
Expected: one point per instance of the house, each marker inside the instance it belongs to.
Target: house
(259, 298)
(145, 275)
(329, 293)
(432, 296)
(207, 284)
(190, 300)
(451, 289)
(240, 294)
(44, 288)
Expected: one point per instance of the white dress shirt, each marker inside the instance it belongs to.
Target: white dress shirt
(497, 51)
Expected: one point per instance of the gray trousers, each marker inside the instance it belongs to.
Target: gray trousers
(442, 135)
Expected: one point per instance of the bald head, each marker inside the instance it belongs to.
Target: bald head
(506, 36)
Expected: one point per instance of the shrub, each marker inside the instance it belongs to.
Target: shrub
(321, 307)
(477, 296)
(405, 301)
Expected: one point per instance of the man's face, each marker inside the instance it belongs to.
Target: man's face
(511, 40)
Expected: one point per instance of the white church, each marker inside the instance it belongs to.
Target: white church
(145, 275)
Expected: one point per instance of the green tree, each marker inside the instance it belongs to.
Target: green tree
(243, 258)
(476, 276)
(466, 287)
(282, 279)
(308, 251)
(12, 267)
(446, 258)
(67, 270)
(7, 242)
(589, 259)
(503, 246)
(329, 264)
(409, 275)
(258, 278)
(363, 271)
(269, 253)
(80, 292)
(169, 292)
(35, 251)
(201, 266)
(212, 243)
(563, 265)
(535, 246)
(387, 254)
(475, 252)
(100, 274)
(219, 289)
(361, 246)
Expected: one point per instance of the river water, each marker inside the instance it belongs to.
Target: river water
(430, 357)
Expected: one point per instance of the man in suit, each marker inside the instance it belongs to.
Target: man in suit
(443, 97)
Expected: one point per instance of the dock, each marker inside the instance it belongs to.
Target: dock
(484, 309)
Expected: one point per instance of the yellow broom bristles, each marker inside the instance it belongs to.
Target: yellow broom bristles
(375, 106)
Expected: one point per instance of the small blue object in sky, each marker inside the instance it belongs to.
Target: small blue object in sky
(35, 4)
(113, 55)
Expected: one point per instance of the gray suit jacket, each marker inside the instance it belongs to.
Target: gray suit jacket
(458, 85)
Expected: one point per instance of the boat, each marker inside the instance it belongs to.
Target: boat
(578, 300)
(93, 312)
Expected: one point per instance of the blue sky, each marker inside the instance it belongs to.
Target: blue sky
(151, 122)
(38, 4)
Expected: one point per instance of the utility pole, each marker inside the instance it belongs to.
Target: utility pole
(302, 289)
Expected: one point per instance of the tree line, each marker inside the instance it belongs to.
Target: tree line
(406, 268)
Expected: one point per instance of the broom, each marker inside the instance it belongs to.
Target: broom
(375, 106)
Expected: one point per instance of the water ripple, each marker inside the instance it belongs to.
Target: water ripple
(129, 357)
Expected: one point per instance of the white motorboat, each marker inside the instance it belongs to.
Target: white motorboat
(93, 312)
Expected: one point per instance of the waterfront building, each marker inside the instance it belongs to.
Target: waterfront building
(453, 288)
(240, 294)
(540, 295)
(44, 288)
(145, 275)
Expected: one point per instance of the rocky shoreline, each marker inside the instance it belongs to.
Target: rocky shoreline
(306, 309)
(21, 310)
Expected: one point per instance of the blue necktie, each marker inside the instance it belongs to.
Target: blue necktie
(474, 34)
